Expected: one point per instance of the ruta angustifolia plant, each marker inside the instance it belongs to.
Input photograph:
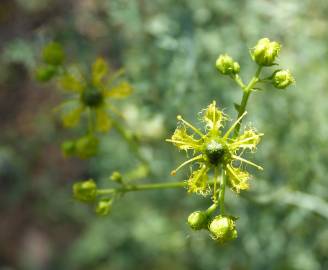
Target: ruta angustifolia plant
(216, 151)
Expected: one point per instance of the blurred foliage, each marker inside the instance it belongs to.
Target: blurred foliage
(168, 49)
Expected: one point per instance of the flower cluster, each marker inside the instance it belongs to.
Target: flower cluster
(92, 94)
(216, 152)
(215, 149)
(88, 93)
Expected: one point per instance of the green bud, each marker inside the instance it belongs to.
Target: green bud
(45, 73)
(198, 220)
(282, 79)
(223, 228)
(87, 146)
(53, 54)
(265, 52)
(103, 207)
(85, 191)
(226, 65)
(68, 148)
(116, 177)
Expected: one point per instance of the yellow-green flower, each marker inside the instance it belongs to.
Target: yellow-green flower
(92, 94)
(215, 149)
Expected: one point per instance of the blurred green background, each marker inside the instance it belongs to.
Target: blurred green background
(168, 49)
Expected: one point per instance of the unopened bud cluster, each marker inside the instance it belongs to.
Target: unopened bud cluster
(86, 191)
(84, 147)
(264, 53)
(222, 228)
(53, 57)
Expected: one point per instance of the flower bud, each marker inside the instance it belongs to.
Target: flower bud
(116, 177)
(103, 207)
(265, 52)
(226, 65)
(223, 228)
(45, 73)
(87, 146)
(68, 148)
(282, 79)
(53, 54)
(85, 191)
(198, 220)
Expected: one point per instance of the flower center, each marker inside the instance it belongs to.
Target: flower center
(215, 152)
(92, 97)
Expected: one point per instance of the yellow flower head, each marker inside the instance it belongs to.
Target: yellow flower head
(92, 93)
(213, 148)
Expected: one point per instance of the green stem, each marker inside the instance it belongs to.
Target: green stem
(209, 211)
(90, 122)
(141, 187)
(247, 91)
(222, 192)
(239, 81)
(215, 180)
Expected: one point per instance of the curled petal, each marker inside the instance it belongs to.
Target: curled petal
(197, 183)
(122, 90)
(99, 70)
(213, 117)
(71, 83)
(183, 140)
(248, 140)
(238, 178)
(103, 121)
(72, 118)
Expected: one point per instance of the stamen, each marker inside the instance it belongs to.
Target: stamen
(181, 142)
(179, 117)
(214, 105)
(233, 173)
(247, 139)
(173, 173)
(234, 125)
(236, 185)
(248, 162)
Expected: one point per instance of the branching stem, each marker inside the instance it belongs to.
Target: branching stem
(141, 187)
(247, 91)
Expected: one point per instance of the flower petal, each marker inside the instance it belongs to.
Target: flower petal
(122, 90)
(99, 70)
(72, 82)
(103, 121)
(248, 140)
(183, 140)
(72, 118)
(197, 183)
(213, 117)
(239, 179)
